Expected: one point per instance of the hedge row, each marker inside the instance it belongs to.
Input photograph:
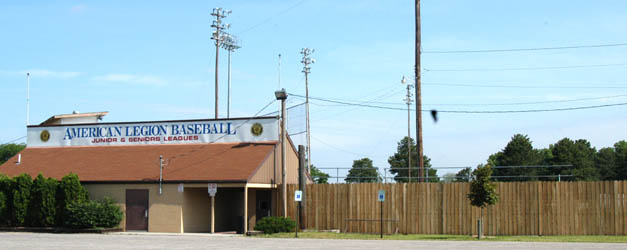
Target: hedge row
(46, 202)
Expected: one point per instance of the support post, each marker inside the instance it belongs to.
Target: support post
(381, 220)
(213, 217)
(302, 184)
(245, 209)
(282, 95)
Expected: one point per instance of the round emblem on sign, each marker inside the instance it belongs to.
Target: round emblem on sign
(44, 136)
(256, 129)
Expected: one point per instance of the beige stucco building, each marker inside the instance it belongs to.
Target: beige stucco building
(159, 172)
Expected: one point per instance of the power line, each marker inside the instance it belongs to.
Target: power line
(529, 68)
(271, 17)
(475, 111)
(527, 103)
(343, 150)
(525, 49)
(480, 104)
(13, 140)
(522, 86)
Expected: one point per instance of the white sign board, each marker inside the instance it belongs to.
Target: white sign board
(298, 195)
(181, 188)
(212, 189)
(166, 132)
(381, 195)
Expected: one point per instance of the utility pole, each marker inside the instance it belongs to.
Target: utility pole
(218, 13)
(230, 43)
(408, 100)
(306, 69)
(418, 95)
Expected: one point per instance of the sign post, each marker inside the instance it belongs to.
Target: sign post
(298, 197)
(212, 188)
(381, 199)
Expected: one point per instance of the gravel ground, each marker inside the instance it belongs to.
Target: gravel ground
(121, 241)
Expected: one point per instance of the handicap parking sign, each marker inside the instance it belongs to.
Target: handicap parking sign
(381, 195)
(298, 195)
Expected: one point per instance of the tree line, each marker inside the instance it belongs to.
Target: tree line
(567, 159)
(363, 170)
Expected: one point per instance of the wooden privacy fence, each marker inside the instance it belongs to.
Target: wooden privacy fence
(525, 208)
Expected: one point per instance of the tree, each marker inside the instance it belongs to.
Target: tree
(6, 200)
(482, 190)
(398, 163)
(605, 161)
(517, 152)
(21, 197)
(319, 176)
(463, 175)
(42, 206)
(363, 171)
(69, 191)
(621, 160)
(577, 153)
(9, 150)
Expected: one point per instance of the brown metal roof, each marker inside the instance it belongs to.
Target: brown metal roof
(219, 162)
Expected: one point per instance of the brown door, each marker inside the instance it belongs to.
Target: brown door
(137, 209)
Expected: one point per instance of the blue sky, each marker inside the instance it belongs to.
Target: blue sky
(154, 60)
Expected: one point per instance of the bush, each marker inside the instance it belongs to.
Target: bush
(6, 190)
(42, 206)
(69, 191)
(93, 214)
(270, 225)
(21, 197)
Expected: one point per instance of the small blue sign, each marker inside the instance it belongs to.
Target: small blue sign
(298, 195)
(381, 195)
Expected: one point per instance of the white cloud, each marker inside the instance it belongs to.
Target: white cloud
(132, 79)
(41, 73)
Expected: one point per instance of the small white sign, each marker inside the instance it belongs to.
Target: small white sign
(298, 195)
(181, 187)
(212, 189)
(381, 195)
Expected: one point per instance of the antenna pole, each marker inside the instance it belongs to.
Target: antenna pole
(27, 98)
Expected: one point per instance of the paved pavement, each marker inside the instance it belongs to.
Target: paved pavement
(122, 241)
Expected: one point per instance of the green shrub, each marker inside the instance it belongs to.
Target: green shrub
(42, 206)
(270, 225)
(93, 214)
(21, 197)
(69, 191)
(6, 191)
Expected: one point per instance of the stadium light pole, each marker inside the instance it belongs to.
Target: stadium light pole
(230, 43)
(218, 13)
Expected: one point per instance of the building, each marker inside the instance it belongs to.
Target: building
(160, 172)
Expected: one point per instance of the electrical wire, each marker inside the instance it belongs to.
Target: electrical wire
(13, 140)
(524, 49)
(521, 86)
(475, 111)
(529, 68)
(271, 17)
(475, 104)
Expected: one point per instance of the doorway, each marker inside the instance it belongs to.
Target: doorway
(137, 209)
